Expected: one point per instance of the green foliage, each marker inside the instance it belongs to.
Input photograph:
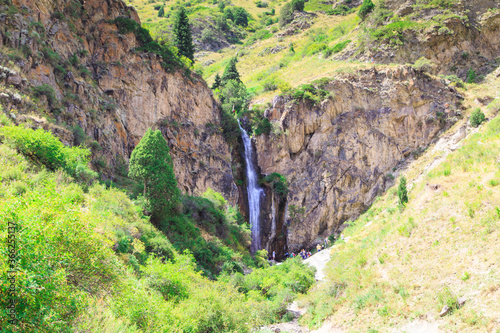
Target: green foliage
(240, 16)
(169, 59)
(402, 192)
(286, 14)
(161, 12)
(44, 148)
(151, 164)
(264, 127)
(217, 82)
(183, 39)
(277, 183)
(309, 92)
(341, 10)
(477, 117)
(471, 76)
(298, 5)
(230, 72)
(366, 7)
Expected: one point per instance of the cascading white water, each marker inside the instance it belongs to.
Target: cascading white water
(254, 192)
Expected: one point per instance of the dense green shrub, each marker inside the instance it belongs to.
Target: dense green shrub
(43, 147)
(277, 183)
(366, 7)
(151, 164)
(477, 117)
(298, 5)
(264, 127)
(309, 92)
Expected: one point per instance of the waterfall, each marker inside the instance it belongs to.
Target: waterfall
(254, 192)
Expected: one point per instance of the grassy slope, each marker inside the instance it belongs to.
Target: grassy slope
(399, 266)
(285, 69)
(88, 261)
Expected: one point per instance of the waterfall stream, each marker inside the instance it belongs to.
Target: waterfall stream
(253, 190)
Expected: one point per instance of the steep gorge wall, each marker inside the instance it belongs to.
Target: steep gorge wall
(337, 156)
(114, 93)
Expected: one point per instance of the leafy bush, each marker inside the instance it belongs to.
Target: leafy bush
(471, 76)
(264, 127)
(309, 92)
(277, 183)
(477, 117)
(43, 147)
(366, 7)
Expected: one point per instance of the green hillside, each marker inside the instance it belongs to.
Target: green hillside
(88, 260)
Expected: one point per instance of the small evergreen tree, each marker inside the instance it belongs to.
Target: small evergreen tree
(366, 7)
(402, 192)
(151, 164)
(217, 82)
(161, 12)
(183, 39)
(231, 72)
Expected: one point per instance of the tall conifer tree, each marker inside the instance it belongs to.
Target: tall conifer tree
(183, 38)
(151, 164)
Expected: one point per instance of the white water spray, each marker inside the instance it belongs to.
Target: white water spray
(254, 192)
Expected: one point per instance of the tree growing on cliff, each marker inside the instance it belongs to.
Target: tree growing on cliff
(402, 192)
(151, 164)
(183, 38)
(366, 7)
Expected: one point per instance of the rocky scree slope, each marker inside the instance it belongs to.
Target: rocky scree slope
(68, 61)
(338, 155)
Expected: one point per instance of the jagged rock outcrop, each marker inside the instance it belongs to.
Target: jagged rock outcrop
(94, 77)
(338, 155)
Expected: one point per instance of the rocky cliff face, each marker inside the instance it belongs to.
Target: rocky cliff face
(455, 36)
(93, 76)
(338, 155)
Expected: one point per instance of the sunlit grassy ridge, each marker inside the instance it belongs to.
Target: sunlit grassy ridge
(397, 266)
(88, 260)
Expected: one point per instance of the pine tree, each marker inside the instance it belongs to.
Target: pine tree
(402, 192)
(217, 82)
(183, 39)
(230, 72)
(151, 164)
(161, 12)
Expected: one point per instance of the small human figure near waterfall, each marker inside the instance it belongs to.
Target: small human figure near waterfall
(274, 255)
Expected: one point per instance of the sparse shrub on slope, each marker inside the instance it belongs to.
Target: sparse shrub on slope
(477, 117)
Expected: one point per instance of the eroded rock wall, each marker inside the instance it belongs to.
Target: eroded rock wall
(113, 92)
(338, 155)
